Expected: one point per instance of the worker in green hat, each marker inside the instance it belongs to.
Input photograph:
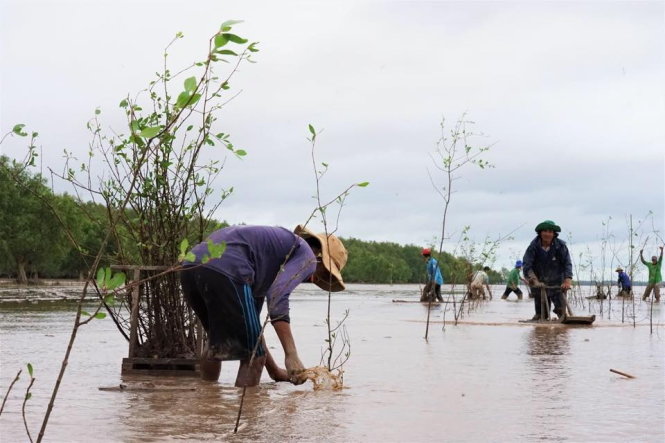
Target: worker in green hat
(548, 267)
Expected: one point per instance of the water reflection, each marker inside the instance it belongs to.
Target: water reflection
(208, 411)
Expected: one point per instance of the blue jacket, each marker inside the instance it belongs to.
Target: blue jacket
(552, 266)
(624, 281)
(433, 271)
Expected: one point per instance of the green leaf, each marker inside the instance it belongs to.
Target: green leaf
(124, 104)
(226, 26)
(252, 47)
(182, 100)
(98, 111)
(28, 396)
(100, 315)
(216, 250)
(184, 244)
(86, 313)
(235, 39)
(190, 84)
(18, 130)
(30, 369)
(311, 130)
(190, 257)
(116, 281)
(241, 152)
(220, 40)
(150, 132)
(226, 52)
(101, 276)
(363, 184)
(110, 300)
(195, 98)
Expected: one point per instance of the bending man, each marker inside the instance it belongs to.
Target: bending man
(227, 294)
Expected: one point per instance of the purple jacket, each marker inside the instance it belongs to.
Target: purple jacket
(270, 259)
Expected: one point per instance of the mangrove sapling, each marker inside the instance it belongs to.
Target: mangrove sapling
(27, 397)
(334, 361)
(453, 151)
(157, 184)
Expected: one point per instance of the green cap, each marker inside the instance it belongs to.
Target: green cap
(548, 225)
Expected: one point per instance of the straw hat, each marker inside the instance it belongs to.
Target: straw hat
(619, 269)
(333, 258)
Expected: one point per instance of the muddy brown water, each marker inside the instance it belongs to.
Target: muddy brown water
(489, 378)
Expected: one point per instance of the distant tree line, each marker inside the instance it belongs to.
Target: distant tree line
(33, 243)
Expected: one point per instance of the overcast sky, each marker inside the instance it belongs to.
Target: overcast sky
(570, 95)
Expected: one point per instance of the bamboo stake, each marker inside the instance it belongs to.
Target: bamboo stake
(622, 373)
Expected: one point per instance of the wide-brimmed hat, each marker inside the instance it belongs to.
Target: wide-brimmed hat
(619, 269)
(333, 258)
(548, 225)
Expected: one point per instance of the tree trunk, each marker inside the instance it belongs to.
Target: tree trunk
(22, 277)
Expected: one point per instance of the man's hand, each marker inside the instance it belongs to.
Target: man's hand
(295, 369)
(567, 283)
(535, 283)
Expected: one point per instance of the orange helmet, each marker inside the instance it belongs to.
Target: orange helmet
(426, 251)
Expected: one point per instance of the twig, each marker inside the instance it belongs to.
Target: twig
(9, 390)
(25, 400)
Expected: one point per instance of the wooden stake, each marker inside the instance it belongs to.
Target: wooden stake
(622, 373)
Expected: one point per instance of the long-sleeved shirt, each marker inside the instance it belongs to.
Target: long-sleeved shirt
(434, 272)
(624, 281)
(551, 267)
(271, 260)
(654, 270)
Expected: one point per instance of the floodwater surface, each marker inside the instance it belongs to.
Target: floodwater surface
(486, 378)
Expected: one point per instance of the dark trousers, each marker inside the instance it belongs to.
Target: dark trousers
(553, 296)
(431, 291)
(508, 290)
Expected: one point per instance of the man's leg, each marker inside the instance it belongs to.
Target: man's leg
(647, 291)
(518, 291)
(437, 291)
(656, 291)
(506, 293)
(250, 375)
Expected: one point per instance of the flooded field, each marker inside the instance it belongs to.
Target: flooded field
(488, 378)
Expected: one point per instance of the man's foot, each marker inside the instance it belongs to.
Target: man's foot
(558, 312)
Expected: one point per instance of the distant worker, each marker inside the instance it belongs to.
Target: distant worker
(655, 276)
(480, 280)
(624, 283)
(548, 267)
(433, 277)
(513, 282)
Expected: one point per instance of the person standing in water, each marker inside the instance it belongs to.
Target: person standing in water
(259, 263)
(655, 276)
(548, 268)
(433, 278)
(623, 282)
(513, 282)
(479, 283)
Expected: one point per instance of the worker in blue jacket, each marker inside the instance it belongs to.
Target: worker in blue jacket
(548, 268)
(434, 279)
(624, 283)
